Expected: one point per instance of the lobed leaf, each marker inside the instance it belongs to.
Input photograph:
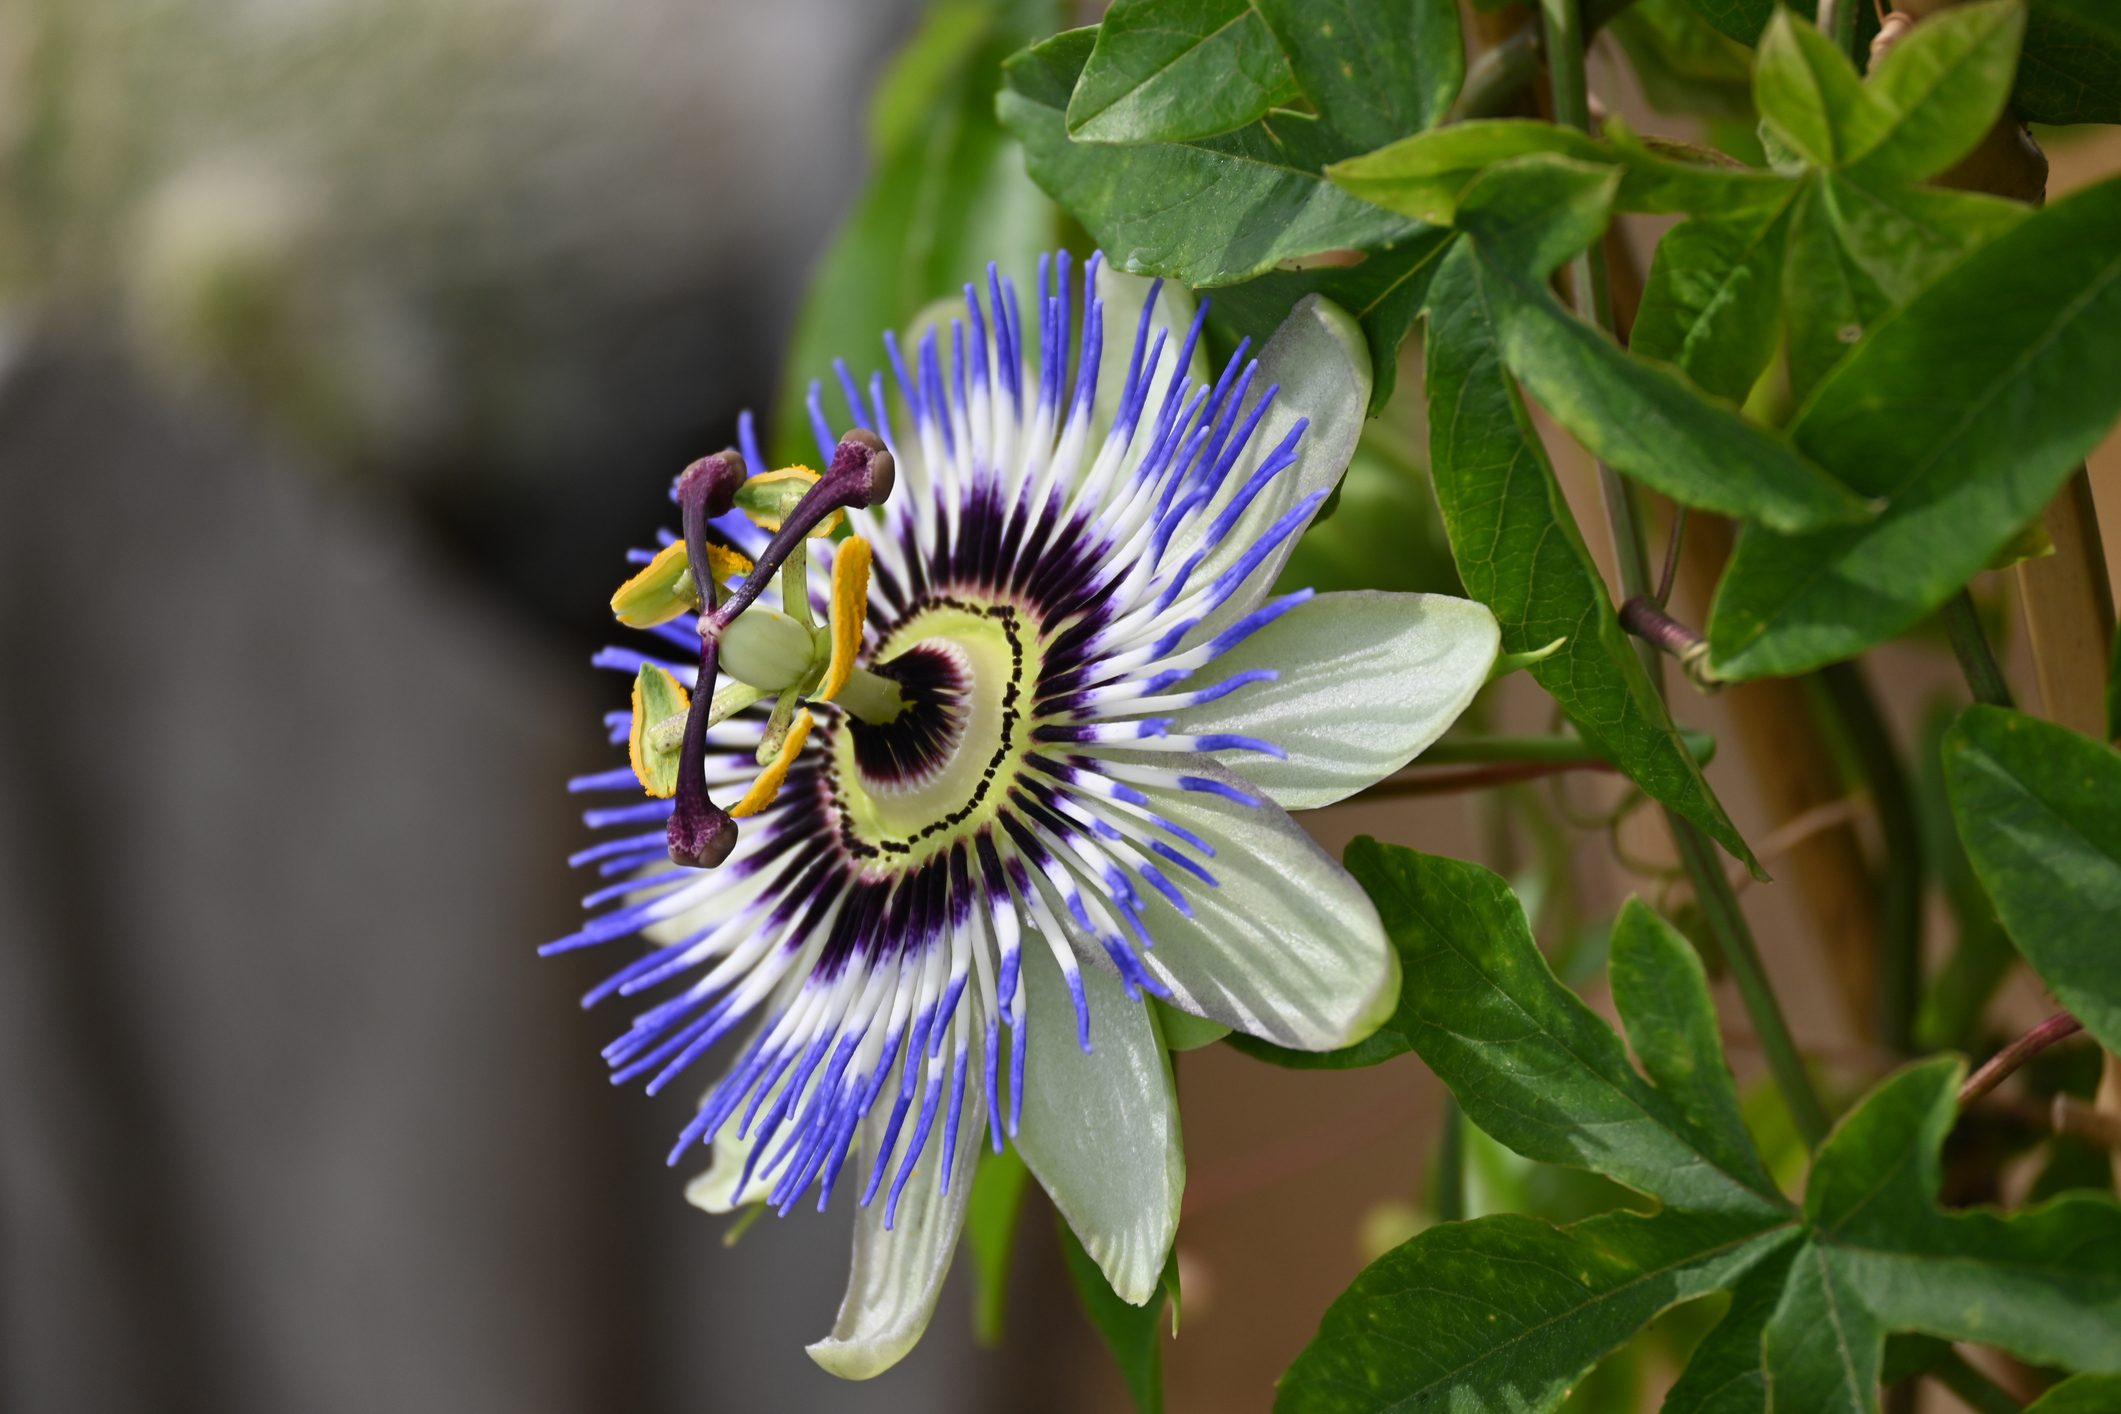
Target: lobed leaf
(1175, 70)
(1523, 217)
(1742, 20)
(2043, 1283)
(2070, 70)
(1940, 89)
(1712, 303)
(1727, 1373)
(2039, 808)
(1535, 1067)
(1810, 95)
(1211, 212)
(1506, 1313)
(1966, 410)
(1375, 70)
(1662, 994)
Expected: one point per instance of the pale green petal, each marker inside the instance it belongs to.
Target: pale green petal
(1368, 680)
(898, 1272)
(1322, 365)
(1100, 1128)
(1286, 947)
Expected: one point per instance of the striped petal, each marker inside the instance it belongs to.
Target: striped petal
(899, 1267)
(1286, 946)
(1100, 1127)
(1364, 682)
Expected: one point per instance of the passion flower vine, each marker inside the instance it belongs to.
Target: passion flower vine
(1006, 717)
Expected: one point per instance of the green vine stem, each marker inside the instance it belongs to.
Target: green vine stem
(1901, 873)
(1719, 903)
(1447, 1197)
(1977, 661)
(1460, 750)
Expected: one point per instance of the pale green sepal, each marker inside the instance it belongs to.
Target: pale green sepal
(898, 1271)
(1100, 1127)
(716, 1190)
(1286, 946)
(1183, 1031)
(1367, 681)
(1507, 663)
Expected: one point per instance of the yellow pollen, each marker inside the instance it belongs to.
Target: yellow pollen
(664, 589)
(657, 696)
(768, 784)
(850, 614)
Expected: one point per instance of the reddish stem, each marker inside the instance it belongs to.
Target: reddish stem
(2058, 1027)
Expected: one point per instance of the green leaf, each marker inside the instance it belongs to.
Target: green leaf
(1520, 553)
(1174, 70)
(1742, 20)
(1662, 994)
(1425, 175)
(1685, 65)
(1830, 302)
(1858, 250)
(1906, 237)
(1726, 1374)
(990, 1230)
(1534, 1066)
(1422, 176)
(1375, 70)
(1524, 217)
(1811, 96)
(2086, 1394)
(1940, 89)
(1665, 175)
(1712, 302)
(1822, 1346)
(1212, 212)
(1507, 1312)
(2043, 1283)
(1134, 1334)
(2070, 70)
(1384, 290)
(1967, 409)
(947, 194)
(1957, 995)
(1182, 1030)
(2039, 808)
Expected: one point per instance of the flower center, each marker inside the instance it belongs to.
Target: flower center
(938, 771)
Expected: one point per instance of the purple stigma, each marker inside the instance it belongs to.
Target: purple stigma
(700, 834)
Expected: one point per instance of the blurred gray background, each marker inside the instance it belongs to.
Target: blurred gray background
(344, 346)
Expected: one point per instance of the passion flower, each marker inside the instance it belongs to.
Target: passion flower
(1035, 721)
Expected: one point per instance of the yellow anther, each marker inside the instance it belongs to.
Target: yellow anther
(657, 697)
(664, 588)
(768, 498)
(768, 784)
(850, 613)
